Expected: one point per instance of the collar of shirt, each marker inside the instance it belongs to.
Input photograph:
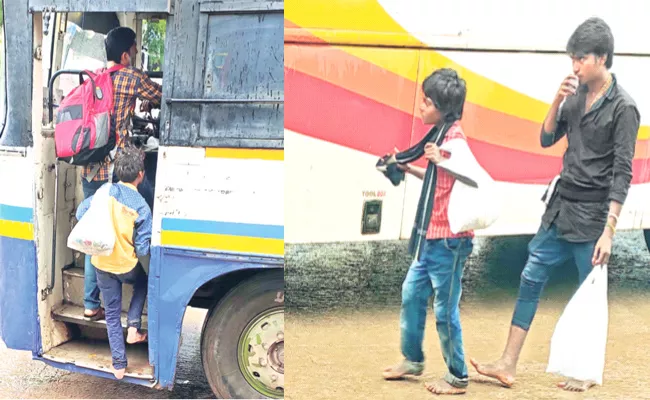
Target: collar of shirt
(609, 95)
(129, 185)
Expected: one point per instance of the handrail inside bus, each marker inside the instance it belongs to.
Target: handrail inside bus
(50, 89)
(50, 86)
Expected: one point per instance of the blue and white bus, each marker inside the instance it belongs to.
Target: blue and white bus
(215, 155)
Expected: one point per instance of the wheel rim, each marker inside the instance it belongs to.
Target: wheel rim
(261, 353)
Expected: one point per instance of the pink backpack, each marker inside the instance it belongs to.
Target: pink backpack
(83, 133)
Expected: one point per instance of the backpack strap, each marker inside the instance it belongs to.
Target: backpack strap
(111, 156)
(114, 68)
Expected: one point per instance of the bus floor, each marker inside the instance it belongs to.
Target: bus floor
(91, 350)
(95, 354)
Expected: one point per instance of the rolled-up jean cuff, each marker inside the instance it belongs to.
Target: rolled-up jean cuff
(414, 366)
(134, 324)
(456, 382)
(121, 365)
(523, 325)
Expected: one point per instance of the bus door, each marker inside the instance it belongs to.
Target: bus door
(67, 40)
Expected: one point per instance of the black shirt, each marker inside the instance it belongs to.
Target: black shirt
(597, 165)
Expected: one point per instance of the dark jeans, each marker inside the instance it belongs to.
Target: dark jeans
(91, 292)
(438, 274)
(111, 288)
(545, 252)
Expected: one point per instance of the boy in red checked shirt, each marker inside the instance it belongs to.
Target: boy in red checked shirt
(438, 269)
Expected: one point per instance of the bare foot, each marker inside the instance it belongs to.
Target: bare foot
(94, 315)
(133, 336)
(400, 371)
(119, 373)
(574, 385)
(442, 387)
(498, 370)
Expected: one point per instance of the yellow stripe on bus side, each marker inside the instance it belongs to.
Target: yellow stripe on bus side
(346, 15)
(238, 244)
(17, 230)
(260, 154)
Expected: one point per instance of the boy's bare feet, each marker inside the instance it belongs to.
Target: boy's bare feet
(498, 370)
(442, 387)
(119, 373)
(94, 315)
(574, 385)
(133, 336)
(402, 370)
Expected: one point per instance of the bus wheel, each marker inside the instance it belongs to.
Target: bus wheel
(242, 346)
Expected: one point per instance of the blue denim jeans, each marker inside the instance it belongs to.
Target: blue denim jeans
(91, 292)
(111, 288)
(545, 252)
(438, 273)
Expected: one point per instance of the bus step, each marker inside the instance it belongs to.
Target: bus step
(75, 315)
(96, 354)
(73, 289)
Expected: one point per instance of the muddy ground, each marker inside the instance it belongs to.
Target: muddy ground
(343, 328)
(21, 377)
(340, 344)
(341, 354)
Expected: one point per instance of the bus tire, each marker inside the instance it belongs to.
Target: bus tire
(234, 366)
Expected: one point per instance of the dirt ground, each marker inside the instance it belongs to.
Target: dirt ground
(340, 354)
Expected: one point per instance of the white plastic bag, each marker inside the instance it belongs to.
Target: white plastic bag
(94, 234)
(580, 337)
(470, 208)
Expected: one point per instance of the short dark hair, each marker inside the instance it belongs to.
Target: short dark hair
(118, 41)
(447, 91)
(592, 37)
(129, 162)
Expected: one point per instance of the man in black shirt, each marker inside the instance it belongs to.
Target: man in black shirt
(601, 122)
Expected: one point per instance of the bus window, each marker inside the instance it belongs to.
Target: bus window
(230, 38)
(153, 45)
(82, 49)
(239, 101)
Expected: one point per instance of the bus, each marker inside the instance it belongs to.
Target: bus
(215, 154)
(353, 73)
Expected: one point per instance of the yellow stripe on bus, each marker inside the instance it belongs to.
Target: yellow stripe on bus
(644, 132)
(346, 15)
(260, 154)
(17, 230)
(337, 22)
(237, 244)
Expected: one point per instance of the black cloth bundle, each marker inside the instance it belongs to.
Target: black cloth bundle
(388, 166)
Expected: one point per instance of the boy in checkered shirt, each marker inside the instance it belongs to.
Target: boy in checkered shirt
(438, 271)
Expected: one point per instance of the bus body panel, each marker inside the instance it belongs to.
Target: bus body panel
(216, 211)
(175, 276)
(19, 326)
(353, 89)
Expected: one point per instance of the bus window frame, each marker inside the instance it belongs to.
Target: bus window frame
(184, 100)
(19, 35)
